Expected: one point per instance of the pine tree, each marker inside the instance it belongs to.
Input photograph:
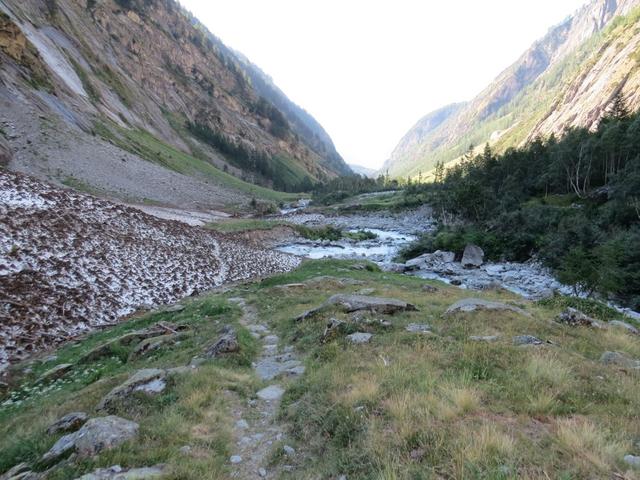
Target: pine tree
(438, 174)
(619, 109)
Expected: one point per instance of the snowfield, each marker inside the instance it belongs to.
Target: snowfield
(70, 262)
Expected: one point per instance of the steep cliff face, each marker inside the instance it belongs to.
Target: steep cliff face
(565, 79)
(140, 72)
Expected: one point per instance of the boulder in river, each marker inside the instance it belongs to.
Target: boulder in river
(431, 261)
(354, 303)
(473, 256)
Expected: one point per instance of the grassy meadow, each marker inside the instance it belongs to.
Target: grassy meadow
(403, 406)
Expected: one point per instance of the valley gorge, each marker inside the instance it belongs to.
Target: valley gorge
(195, 285)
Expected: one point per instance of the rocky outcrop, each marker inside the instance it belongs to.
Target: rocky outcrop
(68, 423)
(149, 380)
(98, 434)
(227, 343)
(543, 92)
(574, 318)
(354, 303)
(359, 337)
(475, 304)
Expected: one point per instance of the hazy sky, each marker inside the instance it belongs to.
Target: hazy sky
(367, 70)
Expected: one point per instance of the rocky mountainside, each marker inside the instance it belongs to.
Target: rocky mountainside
(568, 78)
(113, 95)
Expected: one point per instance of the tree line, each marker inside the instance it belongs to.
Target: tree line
(572, 202)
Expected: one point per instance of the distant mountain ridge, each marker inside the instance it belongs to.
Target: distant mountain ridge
(141, 74)
(361, 170)
(565, 79)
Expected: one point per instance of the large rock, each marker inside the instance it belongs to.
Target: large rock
(103, 433)
(68, 423)
(354, 303)
(620, 360)
(474, 304)
(435, 260)
(149, 380)
(227, 343)
(575, 318)
(472, 257)
(118, 473)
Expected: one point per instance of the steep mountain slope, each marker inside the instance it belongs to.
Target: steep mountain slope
(142, 82)
(567, 78)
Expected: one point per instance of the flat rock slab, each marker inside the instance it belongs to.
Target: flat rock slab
(270, 368)
(475, 304)
(418, 328)
(354, 303)
(272, 392)
(359, 337)
(118, 473)
(484, 338)
(527, 340)
(148, 380)
(68, 423)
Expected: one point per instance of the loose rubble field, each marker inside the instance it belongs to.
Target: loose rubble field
(70, 262)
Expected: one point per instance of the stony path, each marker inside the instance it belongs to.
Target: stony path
(257, 431)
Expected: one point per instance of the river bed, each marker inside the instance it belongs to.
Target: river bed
(394, 231)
